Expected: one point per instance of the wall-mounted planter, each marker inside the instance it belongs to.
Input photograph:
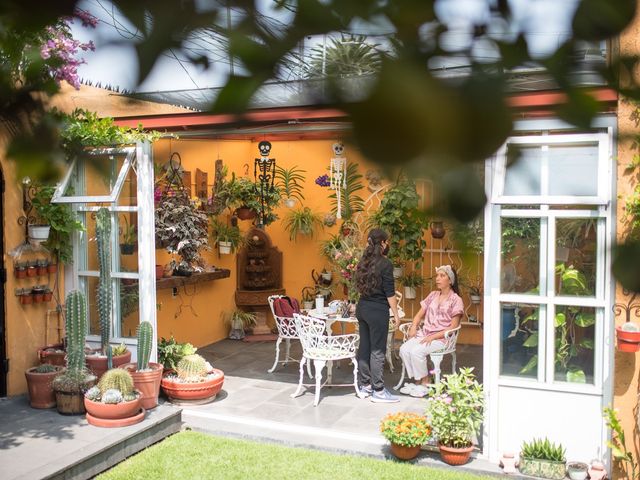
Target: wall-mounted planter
(437, 230)
(38, 233)
(245, 213)
(409, 293)
(224, 248)
(475, 299)
(628, 341)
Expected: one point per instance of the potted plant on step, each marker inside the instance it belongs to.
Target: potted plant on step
(541, 458)
(195, 381)
(146, 376)
(411, 281)
(170, 352)
(107, 357)
(454, 409)
(289, 182)
(301, 222)
(407, 432)
(114, 402)
(70, 385)
(241, 322)
(39, 384)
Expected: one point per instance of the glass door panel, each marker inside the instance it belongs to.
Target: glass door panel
(576, 247)
(519, 329)
(520, 255)
(574, 344)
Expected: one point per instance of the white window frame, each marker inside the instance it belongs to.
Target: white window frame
(544, 141)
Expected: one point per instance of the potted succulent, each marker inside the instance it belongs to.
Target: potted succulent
(39, 384)
(289, 181)
(146, 375)
(541, 458)
(194, 380)
(227, 237)
(129, 238)
(107, 357)
(170, 352)
(407, 432)
(70, 385)
(181, 228)
(454, 409)
(114, 402)
(301, 222)
(410, 282)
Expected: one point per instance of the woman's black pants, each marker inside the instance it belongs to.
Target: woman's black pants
(373, 321)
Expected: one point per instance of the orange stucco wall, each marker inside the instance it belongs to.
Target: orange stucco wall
(196, 314)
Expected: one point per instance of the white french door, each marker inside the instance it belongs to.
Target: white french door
(547, 344)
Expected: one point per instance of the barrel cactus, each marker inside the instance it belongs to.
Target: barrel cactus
(105, 297)
(116, 379)
(76, 325)
(145, 336)
(112, 396)
(192, 368)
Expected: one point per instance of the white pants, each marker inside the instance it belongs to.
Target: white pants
(414, 356)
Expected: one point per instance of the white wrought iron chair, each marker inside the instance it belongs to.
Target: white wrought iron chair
(287, 332)
(322, 349)
(392, 331)
(450, 339)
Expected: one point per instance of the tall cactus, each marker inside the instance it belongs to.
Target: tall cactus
(103, 236)
(76, 325)
(145, 334)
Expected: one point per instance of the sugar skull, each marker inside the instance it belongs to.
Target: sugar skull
(338, 148)
(265, 148)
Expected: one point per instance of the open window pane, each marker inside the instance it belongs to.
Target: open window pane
(573, 170)
(524, 176)
(574, 344)
(576, 247)
(520, 255)
(519, 340)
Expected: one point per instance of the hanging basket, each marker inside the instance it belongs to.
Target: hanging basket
(224, 248)
(245, 213)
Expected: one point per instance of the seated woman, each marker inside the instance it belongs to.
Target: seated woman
(441, 311)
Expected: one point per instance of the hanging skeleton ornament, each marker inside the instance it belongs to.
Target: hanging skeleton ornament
(264, 173)
(338, 174)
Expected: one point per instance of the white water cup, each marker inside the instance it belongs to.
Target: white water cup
(320, 303)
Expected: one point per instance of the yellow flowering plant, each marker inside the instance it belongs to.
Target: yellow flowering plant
(406, 429)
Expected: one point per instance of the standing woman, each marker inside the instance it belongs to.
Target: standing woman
(374, 282)
(441, 311)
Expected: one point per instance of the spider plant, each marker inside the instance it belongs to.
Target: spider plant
(289, 182)
(301, 221)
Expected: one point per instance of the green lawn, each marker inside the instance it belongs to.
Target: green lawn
(193, 455)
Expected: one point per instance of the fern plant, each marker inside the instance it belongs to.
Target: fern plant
(301, 222)
(289, 181)
(351, 201)
(539, 449)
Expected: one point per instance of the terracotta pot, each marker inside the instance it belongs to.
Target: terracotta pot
(118, 422)
(32, 271)
(42, 270)
(159, 271)
(193, 391)
(26, 298)
(405, 453)
(245, 213)
(98, 363)
(437, 230)
(38, 297)
(455, 456)
(41, 393)
(628, 341)
(53, 354)
(147, 383)
(112, 411)
(20, 273)
(52, 268)
(48, 296)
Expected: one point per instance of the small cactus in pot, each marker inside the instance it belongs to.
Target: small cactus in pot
(192, 368)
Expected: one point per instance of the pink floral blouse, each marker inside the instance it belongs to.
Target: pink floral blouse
(438, 317)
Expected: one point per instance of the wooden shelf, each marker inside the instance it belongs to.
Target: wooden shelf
(176, 281)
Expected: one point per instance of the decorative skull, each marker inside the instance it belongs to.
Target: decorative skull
(338, 148)
(265, 148)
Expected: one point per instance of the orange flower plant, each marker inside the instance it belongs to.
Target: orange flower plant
(406, 429)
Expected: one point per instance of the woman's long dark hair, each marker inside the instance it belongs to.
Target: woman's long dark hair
(368, 270)
(454, 286)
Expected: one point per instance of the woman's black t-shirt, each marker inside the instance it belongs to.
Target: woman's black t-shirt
(385, 287)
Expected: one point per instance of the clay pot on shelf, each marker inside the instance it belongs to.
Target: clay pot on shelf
(52, 268)
(48, 295)
(20, 271)
(41, 268)
(38, 294)
(32, 271)
(26, 298)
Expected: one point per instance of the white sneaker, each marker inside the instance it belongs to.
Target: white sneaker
(408, 388)
(419, 391)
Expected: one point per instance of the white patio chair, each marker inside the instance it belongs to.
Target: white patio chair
(392, 331)
(321, 348)
(287, 332)
(450, 339)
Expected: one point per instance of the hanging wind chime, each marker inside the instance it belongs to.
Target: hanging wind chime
(264, 173)
(338, 174)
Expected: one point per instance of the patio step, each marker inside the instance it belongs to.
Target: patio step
(42, 444)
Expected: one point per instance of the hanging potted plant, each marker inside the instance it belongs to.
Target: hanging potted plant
(454, 409)
(437, 230)
(129, 238)
(227, 238)
(411, 281)
(195, 379)
(406, 432)
(628, 337)
(301, 222)
(289, 181)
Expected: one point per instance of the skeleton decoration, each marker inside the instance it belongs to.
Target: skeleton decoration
(264, 173)
(338, 174)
